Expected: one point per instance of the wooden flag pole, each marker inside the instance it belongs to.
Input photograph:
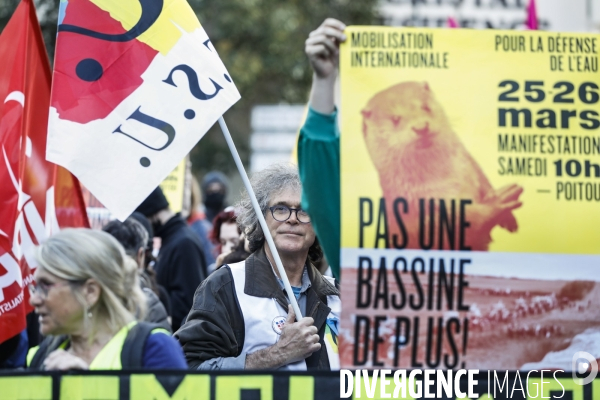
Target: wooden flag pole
(261, 218)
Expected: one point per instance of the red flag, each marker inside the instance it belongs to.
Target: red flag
(37, 197)
(532, 21)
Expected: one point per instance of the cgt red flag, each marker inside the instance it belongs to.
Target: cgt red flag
(37, 198)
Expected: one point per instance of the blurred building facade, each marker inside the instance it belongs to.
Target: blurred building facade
(553, 15)
(274, 133)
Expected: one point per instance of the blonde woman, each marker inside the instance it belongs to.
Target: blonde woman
(86, 295)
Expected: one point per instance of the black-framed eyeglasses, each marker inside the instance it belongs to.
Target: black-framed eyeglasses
(282, 213)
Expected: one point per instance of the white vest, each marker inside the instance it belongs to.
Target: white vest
(263, 319)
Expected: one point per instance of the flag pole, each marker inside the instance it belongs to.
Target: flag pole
(261, 218)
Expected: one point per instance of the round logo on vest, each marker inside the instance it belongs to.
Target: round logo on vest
(278, 323)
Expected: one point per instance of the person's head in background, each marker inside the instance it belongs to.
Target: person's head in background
(239, 253)
(214, 191)
(129, 232)
(85, 285)
(132, 236)
(226, 232)
(156, 208)
(149, 257)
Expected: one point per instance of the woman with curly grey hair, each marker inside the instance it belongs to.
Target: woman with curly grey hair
(241, 317)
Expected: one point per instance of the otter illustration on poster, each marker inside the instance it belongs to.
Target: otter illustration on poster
(423, 165)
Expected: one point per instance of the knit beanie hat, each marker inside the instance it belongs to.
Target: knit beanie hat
(155, 202)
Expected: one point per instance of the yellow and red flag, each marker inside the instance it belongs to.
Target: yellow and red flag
(136, 85)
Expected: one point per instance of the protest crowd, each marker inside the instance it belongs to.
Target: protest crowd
(426, 219)
(211, 299)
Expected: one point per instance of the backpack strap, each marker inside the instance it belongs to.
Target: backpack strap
(48, 345)
(132, 355)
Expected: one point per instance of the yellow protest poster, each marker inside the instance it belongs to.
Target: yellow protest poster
(470, 168)
(177, 187)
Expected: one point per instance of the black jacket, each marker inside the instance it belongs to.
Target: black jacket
(180, 267)
(215, 325)
(156, 313)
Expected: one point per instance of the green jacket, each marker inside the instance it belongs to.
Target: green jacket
(319, 166)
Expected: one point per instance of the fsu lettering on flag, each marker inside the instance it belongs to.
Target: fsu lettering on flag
(136, 85)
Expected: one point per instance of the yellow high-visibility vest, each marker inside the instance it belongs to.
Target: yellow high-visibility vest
(110, 355)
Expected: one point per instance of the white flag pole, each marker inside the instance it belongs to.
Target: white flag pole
(261, 218)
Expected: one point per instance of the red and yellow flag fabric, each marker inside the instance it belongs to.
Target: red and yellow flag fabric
(136, 85)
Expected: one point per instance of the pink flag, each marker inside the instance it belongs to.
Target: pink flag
(532, 21)
(452, 23)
